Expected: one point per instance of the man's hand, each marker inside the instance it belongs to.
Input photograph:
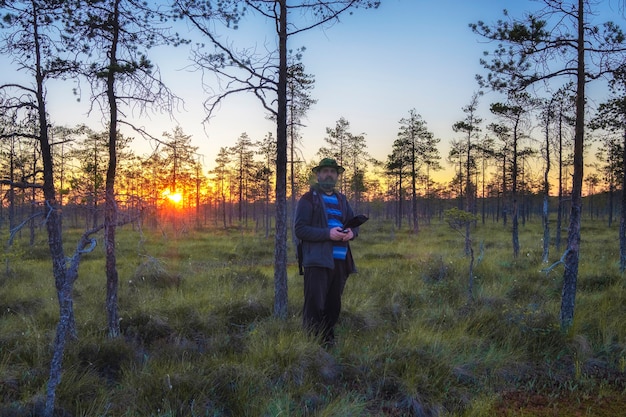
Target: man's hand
(339, 234)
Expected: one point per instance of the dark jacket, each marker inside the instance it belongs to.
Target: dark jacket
(311, 227)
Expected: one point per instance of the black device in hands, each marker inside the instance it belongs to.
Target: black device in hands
(356, 221)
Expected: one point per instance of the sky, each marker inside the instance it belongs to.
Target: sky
(371, 68)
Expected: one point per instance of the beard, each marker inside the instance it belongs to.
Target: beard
(327, 184)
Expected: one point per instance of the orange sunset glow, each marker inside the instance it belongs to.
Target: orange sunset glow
(173, 197)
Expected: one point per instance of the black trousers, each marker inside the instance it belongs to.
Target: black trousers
(323, 288)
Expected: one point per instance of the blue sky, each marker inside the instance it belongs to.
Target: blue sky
(371, 68)
(407, 54)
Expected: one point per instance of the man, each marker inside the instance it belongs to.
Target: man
(326, 255)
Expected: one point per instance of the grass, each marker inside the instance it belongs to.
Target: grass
(200, 339)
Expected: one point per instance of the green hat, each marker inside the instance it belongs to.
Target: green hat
(328, 163)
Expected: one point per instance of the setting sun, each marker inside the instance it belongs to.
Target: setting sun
(173, 197)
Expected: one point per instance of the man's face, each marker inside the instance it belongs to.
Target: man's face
(327, 178)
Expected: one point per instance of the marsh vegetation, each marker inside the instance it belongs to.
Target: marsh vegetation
(199, 338)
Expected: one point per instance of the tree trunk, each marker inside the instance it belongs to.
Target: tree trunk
(610, 204)
(414, 188)
(400, 212)
(515, 203)
(504, 193)
(66, 318)
(67, 325)
(33, 204)
(11, 192)
(280, 251)
(546, 229)
(570, 274)
(468, 193)
(546, 194)
(292, 182)
(110, 222)
(559, 212)
(622, 222)
(515, 228)
(470, 287)
(110, 219)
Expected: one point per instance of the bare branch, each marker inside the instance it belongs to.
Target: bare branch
(557, 263)
(19, 227)
(20, 184)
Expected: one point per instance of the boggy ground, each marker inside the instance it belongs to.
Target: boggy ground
(555, 392)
